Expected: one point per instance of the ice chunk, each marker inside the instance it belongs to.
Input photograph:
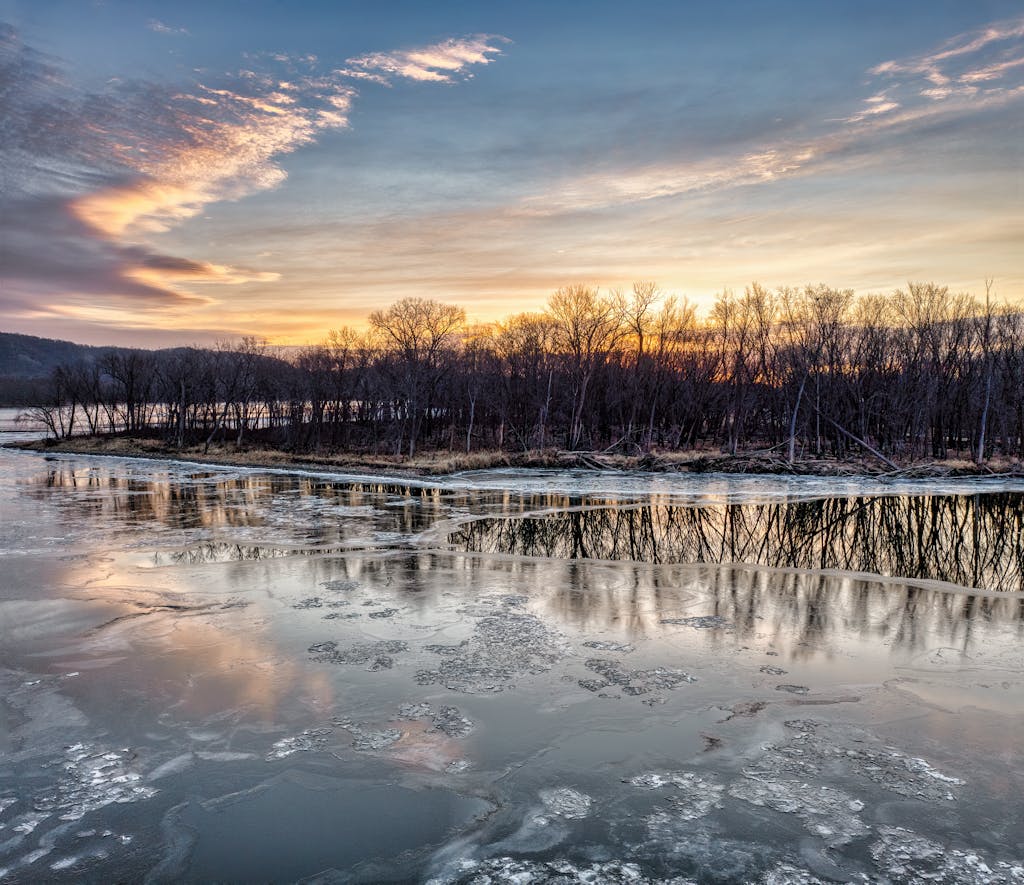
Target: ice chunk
(497, 870)
(310, 740)
(706, 855)
(593, 684)
(787, 874)
(825, 811)
(415, 711)
(692, 796)
(905, 856)
(920, 766)
(340, 586)
(807, 753)
(504, 644)
(566, 802)
(450, 721)
(702, 622)
(383, 613)
(633, 682)
(376, 654)
(368, 740)
(602, 645)
(171, 766)
(92, 779)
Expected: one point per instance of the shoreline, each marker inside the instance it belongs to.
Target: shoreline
(445, 463)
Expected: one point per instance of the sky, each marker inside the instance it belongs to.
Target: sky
(191, 172)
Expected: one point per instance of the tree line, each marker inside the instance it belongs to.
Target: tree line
(807, 372)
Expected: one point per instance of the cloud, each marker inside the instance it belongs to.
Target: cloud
(90, 179)
(160, 28)
(606, 190)
(223, 144)
(439, 63)
(957, 79)
(992, 71)
(873, 106)
(931, 64)
(974, 57)
(160, 269)
(45, 248)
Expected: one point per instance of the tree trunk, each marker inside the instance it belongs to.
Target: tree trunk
(792, 421)
(469, 429)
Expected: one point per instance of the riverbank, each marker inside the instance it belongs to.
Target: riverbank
(440, 463)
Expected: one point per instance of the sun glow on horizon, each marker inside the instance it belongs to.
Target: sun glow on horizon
(293, 192)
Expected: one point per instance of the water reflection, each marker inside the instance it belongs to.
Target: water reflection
(213, 551)
(805, 613)
(260, 509)
(968, 540)
(226, 516)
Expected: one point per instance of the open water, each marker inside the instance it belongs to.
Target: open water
(240, 675)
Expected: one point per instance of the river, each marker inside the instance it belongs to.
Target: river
(215, 674)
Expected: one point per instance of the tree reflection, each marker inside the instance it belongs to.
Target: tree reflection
(275, 509)
(968, 540)
(805, 614)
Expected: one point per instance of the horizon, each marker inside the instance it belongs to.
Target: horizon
(468, 327)
(178, 175)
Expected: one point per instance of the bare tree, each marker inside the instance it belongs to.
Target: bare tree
(812, 370)
(418, 332)
(587, 326)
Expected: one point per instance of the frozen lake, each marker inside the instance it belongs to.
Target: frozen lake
(240, 675)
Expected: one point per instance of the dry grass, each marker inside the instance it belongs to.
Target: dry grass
(439, 463)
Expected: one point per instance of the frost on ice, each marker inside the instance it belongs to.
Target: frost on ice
(826, 812)
(506, 643)
(633, 682)
(566, 802)
(809, 754)
(375, 655)
(905, 856)
(690, 795)
(310, 740)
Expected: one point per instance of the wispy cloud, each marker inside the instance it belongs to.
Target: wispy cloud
(160, 28)
(994, 71)
(91, 179)
(959, 78)
(441, 62)
(873, 107)
(223, 143)
(618, 187)
(934, 65)
(979, 64)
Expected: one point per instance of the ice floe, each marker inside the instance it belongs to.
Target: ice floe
(633, 682)
(505, 644)
(566, 802)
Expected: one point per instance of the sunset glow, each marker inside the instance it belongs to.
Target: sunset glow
(178, 174)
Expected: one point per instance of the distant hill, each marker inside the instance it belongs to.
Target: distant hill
(25, 356)
(27, 361)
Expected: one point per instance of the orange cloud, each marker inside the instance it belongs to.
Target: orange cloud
(159, 270)
(223, 151)
(223, 143)
(433, 64)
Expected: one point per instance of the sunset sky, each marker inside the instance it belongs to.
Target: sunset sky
(193, 171)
